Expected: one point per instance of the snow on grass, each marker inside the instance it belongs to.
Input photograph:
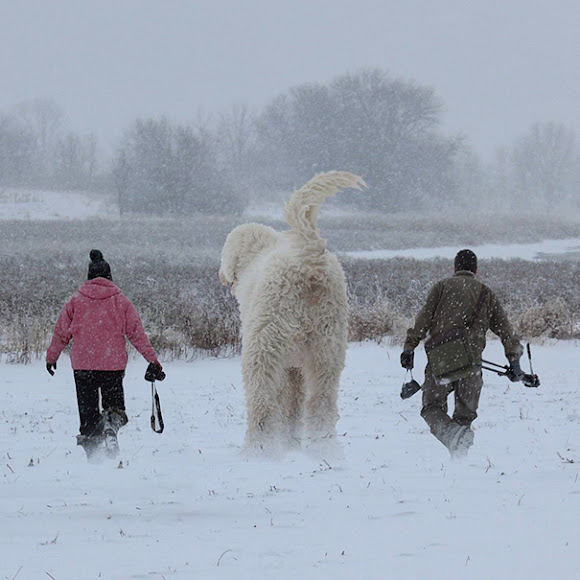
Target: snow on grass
(186, 505)
(532, 251)
(16, 204)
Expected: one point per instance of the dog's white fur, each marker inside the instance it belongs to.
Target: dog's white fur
(294, 313)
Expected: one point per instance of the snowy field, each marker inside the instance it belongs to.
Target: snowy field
(546, 249)
(185, 505)
(17, 204)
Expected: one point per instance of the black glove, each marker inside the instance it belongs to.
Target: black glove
(154, 372)
(51, 367)
(407, 359)
(514, 372)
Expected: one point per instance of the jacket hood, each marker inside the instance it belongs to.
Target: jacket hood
(99, 289)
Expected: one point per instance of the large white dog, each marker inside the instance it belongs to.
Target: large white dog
(293, 306)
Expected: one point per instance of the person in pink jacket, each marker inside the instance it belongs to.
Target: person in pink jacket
(98, 319)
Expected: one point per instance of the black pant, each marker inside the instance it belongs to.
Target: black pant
(110, 385)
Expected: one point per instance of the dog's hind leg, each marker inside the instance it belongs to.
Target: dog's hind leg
(264, 375)
(291, 400)
(321, 380)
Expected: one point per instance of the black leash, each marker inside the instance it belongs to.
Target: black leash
(155, 372)
(530, 380)
(156, 416)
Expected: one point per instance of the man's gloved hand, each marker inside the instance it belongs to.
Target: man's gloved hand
(514, 372)
(407, 359)
(51, 367)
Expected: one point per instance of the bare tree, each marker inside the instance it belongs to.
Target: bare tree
(236, 142)
(121, 178)
(543, 164)
(365, 122)
(44, 118)
(75, 161)
(18, 163)
(166, 168)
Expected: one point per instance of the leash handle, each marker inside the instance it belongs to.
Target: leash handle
(531, 381)
(156, 416)
(530, 357)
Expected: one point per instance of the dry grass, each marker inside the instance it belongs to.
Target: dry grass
(187, 313)
(169, 269)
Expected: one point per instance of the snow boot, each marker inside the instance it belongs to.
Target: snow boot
(460, 441)
(112, 421)
(93, 446)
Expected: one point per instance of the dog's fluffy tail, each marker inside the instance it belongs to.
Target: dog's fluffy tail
(301, 210)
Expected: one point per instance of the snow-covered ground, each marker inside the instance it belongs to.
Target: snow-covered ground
(16, 204)
(532, 251)
(186, 505)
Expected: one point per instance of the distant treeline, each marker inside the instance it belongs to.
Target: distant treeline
(385, 129)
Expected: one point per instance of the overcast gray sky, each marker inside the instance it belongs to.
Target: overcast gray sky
(498, 65)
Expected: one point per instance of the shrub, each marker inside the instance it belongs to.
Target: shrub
(169, 269)
(552, 320)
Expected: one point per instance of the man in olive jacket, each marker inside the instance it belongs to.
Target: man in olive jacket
(453, 303)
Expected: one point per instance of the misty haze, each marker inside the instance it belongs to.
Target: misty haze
(150, 129)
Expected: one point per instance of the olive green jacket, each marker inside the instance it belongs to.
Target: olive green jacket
(450, 303)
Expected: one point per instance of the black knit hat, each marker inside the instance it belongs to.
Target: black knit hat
(466, 260)
(98, 267)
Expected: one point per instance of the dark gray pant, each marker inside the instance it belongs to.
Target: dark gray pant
(434, 411)
(91, 384)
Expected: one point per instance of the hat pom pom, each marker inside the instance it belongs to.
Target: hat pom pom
(96, 256)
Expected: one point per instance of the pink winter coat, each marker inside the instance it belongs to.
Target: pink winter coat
(97, 319)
